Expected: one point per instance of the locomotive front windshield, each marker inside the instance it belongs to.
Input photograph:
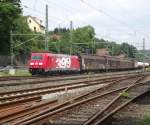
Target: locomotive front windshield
(36, 57)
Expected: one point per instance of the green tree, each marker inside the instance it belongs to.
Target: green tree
(59, 40)
(114, 49)
(10, 10)
(100, 43)
(129, 50)
(83, 39)
(25, 44)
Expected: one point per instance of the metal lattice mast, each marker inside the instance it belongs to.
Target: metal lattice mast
(46, 28)
(11, 49)
(143, 53)
(71, 28)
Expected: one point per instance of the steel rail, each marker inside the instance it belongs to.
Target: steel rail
(55, 86)
(101, 115)
(47, 90)
(24, 111)
(45, 81)
(57, 109)
(120, 107)
(57, 78)
(80, 102)
(21, 101)
(5, 104)
(42, 92)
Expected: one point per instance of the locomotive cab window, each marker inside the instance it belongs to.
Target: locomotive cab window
(36, 57)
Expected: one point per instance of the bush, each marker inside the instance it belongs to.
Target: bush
(145, 120)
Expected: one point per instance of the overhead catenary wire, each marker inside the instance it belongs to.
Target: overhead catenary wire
(112, 17)
(55, 19)
(63, 5)
(68, 12)
(106, 14)
(137, 20)
(54, 4)
(42, 14)
(69, 9)
(25, 42)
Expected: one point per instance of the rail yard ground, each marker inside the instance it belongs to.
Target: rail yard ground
(18, 72)
(79, 99)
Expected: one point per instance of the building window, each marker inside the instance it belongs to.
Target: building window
(34, 29)
(29, 21)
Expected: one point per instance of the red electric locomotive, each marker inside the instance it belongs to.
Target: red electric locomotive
(50, 63)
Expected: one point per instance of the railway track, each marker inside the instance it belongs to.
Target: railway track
(111, 81)
(6, 97)
(134, 91)
(22, 96)
(89, 100)
(29, 80)
(19, 111)
(19, 94)
(48, 80)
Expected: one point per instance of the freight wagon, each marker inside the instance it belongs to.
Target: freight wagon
(105, 63)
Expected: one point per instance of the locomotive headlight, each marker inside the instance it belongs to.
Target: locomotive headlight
(31, 64)
(40, 63)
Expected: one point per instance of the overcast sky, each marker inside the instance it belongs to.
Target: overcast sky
(115, 20)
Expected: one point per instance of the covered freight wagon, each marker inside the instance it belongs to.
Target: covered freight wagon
(103, 63)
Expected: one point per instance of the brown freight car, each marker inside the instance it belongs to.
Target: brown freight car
(105, 63)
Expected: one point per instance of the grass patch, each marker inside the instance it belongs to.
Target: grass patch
(18, 72)
(145, 120)
(148, 69)
(22, 73)
(4, 74)
(126, 95)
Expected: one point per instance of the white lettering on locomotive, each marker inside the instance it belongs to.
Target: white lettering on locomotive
(63, 62)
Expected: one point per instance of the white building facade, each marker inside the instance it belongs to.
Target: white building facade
(35, 24)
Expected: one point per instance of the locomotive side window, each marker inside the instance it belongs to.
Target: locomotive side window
(36, 57)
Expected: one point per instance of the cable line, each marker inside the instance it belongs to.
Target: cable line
(106, 14)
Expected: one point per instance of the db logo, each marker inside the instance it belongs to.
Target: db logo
(63, 62)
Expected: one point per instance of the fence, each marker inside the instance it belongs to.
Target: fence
(20, 60)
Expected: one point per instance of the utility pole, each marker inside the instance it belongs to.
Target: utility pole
(93, 45)
(58, 45)
(143, 44)
(143, 53)
(46, 28)
(11, 49)
(71, 28)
